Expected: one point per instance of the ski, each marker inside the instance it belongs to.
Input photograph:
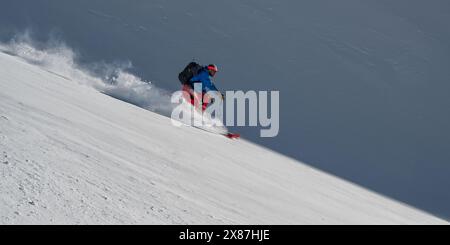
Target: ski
(226, 134)
(232, 135)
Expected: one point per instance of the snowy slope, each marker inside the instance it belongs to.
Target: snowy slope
(72, 155)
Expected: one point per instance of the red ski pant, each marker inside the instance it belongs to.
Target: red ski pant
(195, 98)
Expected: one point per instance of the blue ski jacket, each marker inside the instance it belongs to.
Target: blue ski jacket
(206, 80)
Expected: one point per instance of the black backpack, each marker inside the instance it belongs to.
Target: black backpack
(188, 72)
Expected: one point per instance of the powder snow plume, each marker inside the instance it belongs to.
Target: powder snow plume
(111, 79)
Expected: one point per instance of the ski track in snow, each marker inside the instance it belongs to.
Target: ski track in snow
(72, 155)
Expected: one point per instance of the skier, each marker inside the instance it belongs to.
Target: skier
(197, 82)
(202, 77)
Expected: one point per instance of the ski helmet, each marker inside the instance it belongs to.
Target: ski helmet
(212, 67)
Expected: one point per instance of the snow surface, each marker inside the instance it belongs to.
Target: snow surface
(72, 155)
